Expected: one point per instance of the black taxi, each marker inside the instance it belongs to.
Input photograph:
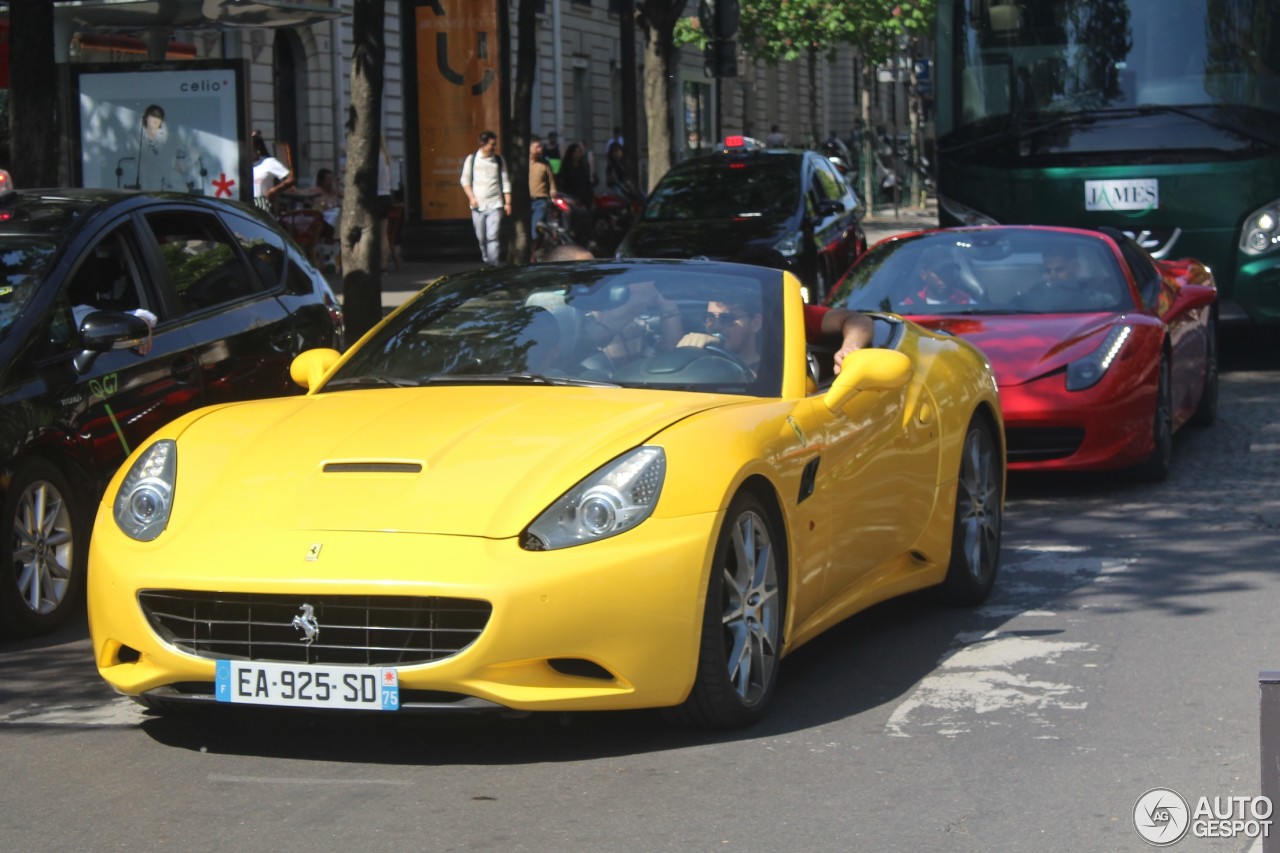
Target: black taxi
(784, 208)
(120, 311)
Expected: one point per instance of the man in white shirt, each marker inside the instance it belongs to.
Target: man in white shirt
(487, 184)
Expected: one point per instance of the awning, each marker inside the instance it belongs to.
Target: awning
(118, 15)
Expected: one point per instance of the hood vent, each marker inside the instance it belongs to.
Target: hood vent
(373, 468)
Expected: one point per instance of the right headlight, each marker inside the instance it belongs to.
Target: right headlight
(789, 247)
(614, 498)
(1261, 231)
(1086, 372)
(145, 499)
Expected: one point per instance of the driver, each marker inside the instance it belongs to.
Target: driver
(735, 326)
(1064, 286)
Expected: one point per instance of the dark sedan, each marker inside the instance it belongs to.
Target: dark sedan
(789, 209)
(120, 311)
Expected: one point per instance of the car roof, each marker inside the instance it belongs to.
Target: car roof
(53, 212)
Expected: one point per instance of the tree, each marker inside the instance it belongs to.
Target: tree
(658, 20)
(360, 229)
(33, 96)
(785, 30)
(515, 145)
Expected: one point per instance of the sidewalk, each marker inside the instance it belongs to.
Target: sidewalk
(412, 275)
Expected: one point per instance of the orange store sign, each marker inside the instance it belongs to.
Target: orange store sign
(458, 96)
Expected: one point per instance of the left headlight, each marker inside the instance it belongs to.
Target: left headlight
(614, 498)
(1086, 372)
(145, 498)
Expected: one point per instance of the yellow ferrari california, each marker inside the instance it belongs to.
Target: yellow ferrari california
(572, 486)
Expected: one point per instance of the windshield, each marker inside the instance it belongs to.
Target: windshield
(690, 327)
(763, 188)
(22, 264)
(1048, 58)
(992, 271)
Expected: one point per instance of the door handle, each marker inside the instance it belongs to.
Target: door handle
(183, 369)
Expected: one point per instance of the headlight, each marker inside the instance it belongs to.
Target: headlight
(963, 213)
(789, 247)
(1086, 372)
(145, 498)
(614, 498)
(1261, 230)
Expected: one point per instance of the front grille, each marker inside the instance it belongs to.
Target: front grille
(368, 630)
(1038, 444)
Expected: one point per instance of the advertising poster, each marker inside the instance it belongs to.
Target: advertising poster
(177, 128)
(457, 44)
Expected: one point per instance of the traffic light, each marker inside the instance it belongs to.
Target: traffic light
(720, 58)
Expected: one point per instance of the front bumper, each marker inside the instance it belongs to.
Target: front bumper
(609, 625)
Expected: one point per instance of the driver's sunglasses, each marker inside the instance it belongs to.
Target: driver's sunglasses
(722, 318)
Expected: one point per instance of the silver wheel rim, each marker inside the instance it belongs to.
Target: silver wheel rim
(43, 547)
(978, 505)
(751, 604)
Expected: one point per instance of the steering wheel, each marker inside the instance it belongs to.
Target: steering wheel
(720, 352)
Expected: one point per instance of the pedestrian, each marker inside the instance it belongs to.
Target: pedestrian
(382, 203)
(615, 169)
(487, 184)
(270, 176)
(775, 138)
(575, 175)
(542, 183)
(551, 150)
(616, 138)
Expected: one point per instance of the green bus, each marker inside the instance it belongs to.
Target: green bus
(1158, 117)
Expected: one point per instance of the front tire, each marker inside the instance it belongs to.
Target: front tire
(741, 624)
(43, 538)
(1207, 409)
(1156, 466)
(979, 518)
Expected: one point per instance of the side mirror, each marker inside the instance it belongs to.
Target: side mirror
(107, 330)
(871, 369)
(311, 366)
(103, 331)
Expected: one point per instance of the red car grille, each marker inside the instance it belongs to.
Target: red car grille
(1038, 444)
(346, 629)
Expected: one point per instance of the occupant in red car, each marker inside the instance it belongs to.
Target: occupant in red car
(938, 281)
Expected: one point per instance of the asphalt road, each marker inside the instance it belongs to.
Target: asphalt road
(1120, 652)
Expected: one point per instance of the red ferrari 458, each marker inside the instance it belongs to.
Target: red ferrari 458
(1101, 351)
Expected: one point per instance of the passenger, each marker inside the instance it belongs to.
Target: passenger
(938, 281)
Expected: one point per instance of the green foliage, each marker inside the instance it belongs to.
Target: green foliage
(785, 30)
(689, 31)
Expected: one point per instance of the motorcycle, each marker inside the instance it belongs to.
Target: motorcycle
(566, 222)
(616, 210)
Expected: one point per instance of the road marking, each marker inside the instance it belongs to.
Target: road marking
(292, 780)
(115, 712)
(990, 675)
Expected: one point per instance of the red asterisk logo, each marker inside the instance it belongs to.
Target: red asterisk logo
(222, 186)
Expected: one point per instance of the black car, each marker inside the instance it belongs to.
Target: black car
(120, 311)
(788, 209)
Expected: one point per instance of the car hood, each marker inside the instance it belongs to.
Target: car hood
(716, 240)
(491, 457)
(1024, 347)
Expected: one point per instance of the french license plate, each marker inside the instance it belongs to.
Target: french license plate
(359, 688)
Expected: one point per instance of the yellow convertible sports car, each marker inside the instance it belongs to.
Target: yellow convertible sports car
(558, 487)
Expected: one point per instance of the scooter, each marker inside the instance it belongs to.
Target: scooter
(566, 222)
(616, 211)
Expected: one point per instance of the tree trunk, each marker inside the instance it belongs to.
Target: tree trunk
(658, 19)
(519, 130)
(361, 229)
(33, 96)
(815, 132)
